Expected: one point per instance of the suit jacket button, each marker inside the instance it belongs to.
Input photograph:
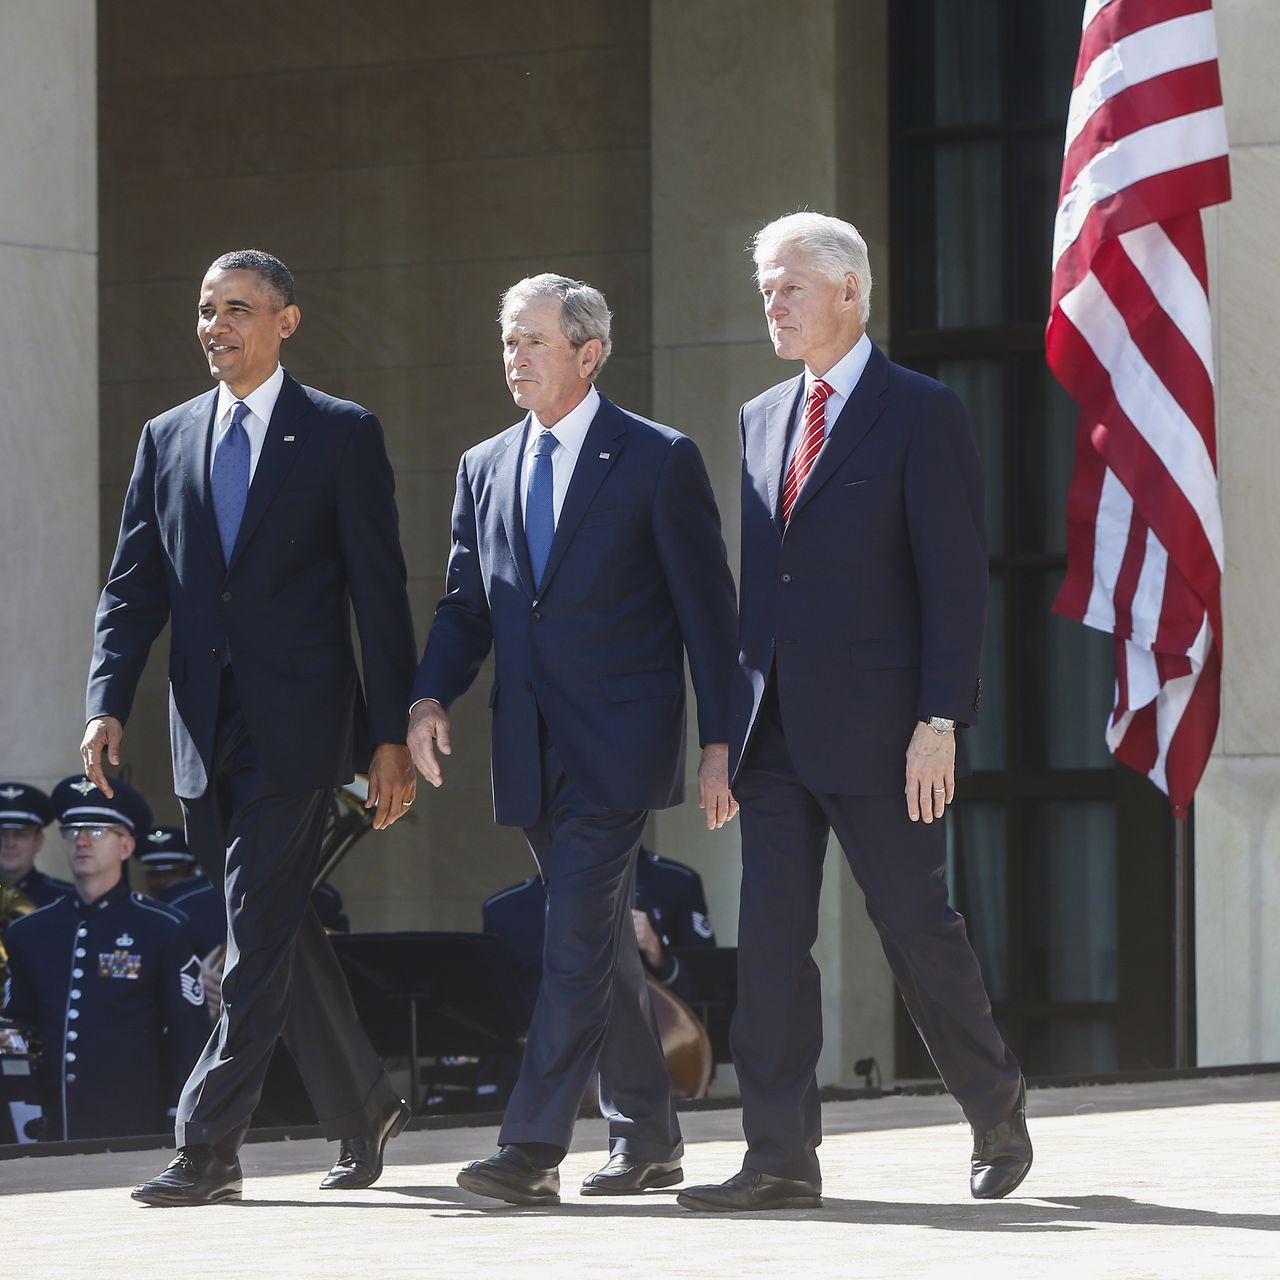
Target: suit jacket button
(786, 577)
(213, 653)
(528, 684)
(535, 616)
(226, 595)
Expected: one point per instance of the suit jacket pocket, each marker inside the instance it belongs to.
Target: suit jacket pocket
(641, 684)
(885, 653)
(605, 515)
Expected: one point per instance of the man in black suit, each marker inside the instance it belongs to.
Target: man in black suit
(259, 515)
(863, 598)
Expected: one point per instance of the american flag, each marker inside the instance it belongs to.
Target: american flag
(1128, 337)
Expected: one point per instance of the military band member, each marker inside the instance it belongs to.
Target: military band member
(109, 978)
(25, 811)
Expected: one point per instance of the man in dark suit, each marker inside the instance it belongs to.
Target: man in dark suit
(864, 578)
(259, 515)
(587, 552)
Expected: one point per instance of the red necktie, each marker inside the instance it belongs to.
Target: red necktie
(811, 439)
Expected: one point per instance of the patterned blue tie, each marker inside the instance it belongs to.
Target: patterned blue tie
(231, 479)
(539, 507)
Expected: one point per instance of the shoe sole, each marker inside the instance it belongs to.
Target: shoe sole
(398, 1126)
(791, 1202)
(662, 1180)
(482, 1186)
(159, 1202)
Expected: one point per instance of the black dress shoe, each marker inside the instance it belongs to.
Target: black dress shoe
(196, 1175)
(625, 1176)
(750, 1189)
(513, 1177)
(360, 1158)
(1002, 1156)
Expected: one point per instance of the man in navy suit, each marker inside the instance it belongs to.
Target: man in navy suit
(259, 516)
(863, 598)
(587, 553)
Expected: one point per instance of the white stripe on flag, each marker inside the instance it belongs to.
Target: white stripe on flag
(1170, 278)
(1110, 535)
(1154, 51)
(1159, 148)
(1147, 403)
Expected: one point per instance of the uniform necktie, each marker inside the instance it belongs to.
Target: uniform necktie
(811, 439)
(539, 507)
(231, 479)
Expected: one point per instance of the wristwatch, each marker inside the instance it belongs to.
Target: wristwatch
(940, 724)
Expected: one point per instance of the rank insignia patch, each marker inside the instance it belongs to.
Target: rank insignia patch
(119, 964)
(192, 984)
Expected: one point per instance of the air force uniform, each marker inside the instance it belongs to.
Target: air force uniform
(24, 807)
(114, 989)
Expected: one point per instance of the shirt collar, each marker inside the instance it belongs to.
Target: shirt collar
(843, 376)
(117, 893)
(261, 400)
(571, 430)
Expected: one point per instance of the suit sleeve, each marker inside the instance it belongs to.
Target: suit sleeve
(134, 605)
(186, 1014)
(944, 499)
(461, 632)
(369, 528)
(686, 526)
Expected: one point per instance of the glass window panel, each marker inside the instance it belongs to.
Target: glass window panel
(1083, 1046)
(1067, 679)
(1071, 907)
(1036, 173)
(1046, 36)
(1044, 431)
(980, 386)
(966, 52)
(977, 875)
(967, 263)
(986, 740)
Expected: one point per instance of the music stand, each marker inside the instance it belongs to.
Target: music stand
(432, 995)
(713, 981)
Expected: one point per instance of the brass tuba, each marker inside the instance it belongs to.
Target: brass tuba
(13, 904)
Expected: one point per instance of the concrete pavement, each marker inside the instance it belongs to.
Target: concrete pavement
(1142, 1180)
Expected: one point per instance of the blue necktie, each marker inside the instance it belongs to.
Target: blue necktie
(539, 507)
(231, 479)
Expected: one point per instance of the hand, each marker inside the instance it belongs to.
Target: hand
(211, 980)
(649, 942)
(931, 773)
(102, 738)
(429, 733)
(392, 784)
(714, 795)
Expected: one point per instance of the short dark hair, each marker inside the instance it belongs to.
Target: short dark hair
(266, 266)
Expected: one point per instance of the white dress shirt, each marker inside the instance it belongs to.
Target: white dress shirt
(260, 403)
(569, 432)
(842, 377)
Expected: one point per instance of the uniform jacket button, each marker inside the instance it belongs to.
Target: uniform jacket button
(71, 1077)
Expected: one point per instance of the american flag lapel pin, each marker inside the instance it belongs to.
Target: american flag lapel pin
(604, 457)
(289, 439)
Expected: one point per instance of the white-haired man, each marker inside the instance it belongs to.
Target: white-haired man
(863, 596)
(587, 552)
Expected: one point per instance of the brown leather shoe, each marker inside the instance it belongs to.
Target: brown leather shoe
(1002, 1156)
(625, 1176)
(750, 1190)
(513, 1177)
(196, 1175)
(359, 1162)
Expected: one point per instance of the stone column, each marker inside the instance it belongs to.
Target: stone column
(48, 385)
(1237, 812)
(759, 109)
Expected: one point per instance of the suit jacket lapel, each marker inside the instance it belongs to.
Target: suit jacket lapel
(600, 450)
(288, 418)
(859, 415)
(197, 441)
(506, 487)
(777, 422)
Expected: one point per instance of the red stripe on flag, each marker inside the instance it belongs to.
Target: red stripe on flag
(1119, 20)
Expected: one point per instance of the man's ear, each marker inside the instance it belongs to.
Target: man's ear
(290, 319)
(589, 356)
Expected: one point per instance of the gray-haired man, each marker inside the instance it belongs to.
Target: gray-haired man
(587, 552)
